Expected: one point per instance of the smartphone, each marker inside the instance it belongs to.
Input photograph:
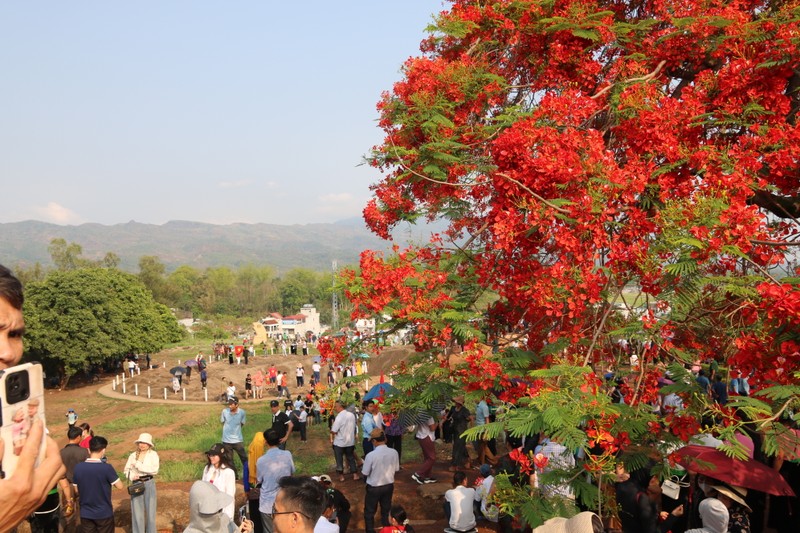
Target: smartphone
(243, 513)
(21, 402)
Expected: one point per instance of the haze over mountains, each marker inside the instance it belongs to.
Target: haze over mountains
(199, 245)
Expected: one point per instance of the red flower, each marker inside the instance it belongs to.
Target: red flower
(523, 460)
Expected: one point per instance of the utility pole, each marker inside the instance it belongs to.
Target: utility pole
(334, 301)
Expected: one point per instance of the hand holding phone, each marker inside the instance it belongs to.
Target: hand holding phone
(29, 485)
(21, 403)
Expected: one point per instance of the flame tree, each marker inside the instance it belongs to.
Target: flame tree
(579, 149)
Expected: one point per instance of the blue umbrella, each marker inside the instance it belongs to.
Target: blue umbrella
(380, 389)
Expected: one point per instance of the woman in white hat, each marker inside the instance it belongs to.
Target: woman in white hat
(733, 498)
(143, 466)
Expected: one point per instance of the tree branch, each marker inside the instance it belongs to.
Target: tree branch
(646, 77)
(776, 243)
(529, 191)
(780, 206)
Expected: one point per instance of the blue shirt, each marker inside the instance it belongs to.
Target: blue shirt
(232, 425)
(94, 479)
(367, 424)
(720, 391)
(481, 413)
(270, 467)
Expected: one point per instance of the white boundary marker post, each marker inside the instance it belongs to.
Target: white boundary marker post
(136, 389)
(184, 394)
(205, 394)
(165, 393)
(123, 387)
(114, 385)
(148, 391)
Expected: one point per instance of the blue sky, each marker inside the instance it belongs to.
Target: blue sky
(219, 112)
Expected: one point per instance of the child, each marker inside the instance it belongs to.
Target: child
(248, 387)
(203, 377)
(19, 431)
(398, 520)
(72, 417)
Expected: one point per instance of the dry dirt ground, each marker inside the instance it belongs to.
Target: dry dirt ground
(97, 407)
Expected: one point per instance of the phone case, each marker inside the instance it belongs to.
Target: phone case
(21, 401)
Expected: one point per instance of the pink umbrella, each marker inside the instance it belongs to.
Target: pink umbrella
(749, 474)
(747, 442)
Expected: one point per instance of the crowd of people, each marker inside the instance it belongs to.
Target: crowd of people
(279, 500)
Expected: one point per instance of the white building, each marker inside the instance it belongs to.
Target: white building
(303, 323)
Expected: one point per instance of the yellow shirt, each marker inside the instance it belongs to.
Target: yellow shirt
(254, 451)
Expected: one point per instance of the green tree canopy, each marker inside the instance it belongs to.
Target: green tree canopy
(86, 316)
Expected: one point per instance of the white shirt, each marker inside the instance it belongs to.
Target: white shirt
(490, 511)
(344, 426)
(424, 431)
(325, 526)
(462, 516)
(315, 367)
(225, 480)
(380, 465)
(147, 464)
(560, 458)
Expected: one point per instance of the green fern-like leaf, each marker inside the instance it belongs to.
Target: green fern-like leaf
(779, 393)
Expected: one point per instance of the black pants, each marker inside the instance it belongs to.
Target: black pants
(45, 518)
(460, 455)
(343, 517)
(396, 443)
(106, 525)
(367, 446)
(377, 495)
(255, 516)
(238, 447)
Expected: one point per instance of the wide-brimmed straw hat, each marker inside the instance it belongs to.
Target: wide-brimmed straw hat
(737, 494)
(580, 523)
(146, 438)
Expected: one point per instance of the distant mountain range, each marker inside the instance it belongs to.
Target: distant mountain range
(196, 244)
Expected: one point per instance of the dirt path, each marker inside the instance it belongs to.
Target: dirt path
(99, 404)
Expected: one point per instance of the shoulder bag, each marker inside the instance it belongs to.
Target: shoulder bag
(136, 488)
